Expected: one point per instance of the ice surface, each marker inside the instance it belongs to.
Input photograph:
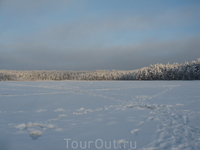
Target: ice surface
(100, 115)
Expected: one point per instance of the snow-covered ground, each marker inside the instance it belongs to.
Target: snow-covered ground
(60, 115)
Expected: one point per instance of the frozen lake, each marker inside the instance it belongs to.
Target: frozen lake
(50, 115)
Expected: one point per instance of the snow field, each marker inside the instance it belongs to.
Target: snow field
(154, 114)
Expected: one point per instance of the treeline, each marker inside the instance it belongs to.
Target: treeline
(185, 71)
(10, 75)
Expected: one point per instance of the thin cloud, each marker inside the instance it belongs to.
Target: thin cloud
(56, 40)
(122, 58)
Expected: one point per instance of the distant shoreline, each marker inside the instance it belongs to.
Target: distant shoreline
(184, 71)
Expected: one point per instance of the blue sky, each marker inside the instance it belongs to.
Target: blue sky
(97, 34)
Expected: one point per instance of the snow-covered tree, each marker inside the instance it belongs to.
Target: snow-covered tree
(185, 71)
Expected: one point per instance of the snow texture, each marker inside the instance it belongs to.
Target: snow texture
(150, 115)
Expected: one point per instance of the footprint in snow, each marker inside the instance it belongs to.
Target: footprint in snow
(35, 134)
(140, 123)
(135, 131)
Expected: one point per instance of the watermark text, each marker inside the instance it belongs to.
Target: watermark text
(99, 144)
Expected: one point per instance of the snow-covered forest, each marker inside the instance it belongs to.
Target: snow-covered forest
(185, 71)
